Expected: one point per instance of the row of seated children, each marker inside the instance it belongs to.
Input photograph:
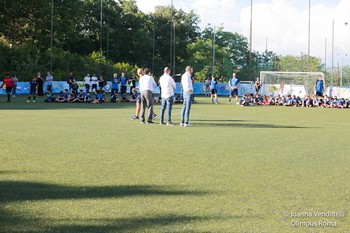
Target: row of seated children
(295, 101)
(86, 97)
(326, 102)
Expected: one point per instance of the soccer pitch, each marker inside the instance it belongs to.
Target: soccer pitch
(89, 168)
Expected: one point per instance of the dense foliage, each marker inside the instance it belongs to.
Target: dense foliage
(126, 37)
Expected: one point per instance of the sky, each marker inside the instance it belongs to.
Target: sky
(278, 25)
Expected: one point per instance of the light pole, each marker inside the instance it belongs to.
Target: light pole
(171, 35)
(213, 67)
(101, 34)
(153, 48)
(51, 36)
(308, 43)
(250, 41)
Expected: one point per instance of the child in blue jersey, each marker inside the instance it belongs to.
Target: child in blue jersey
(334, 102)
(272, 100)
(62, 97)
(315, 101)
(114, 97)
(49, 97)
(71, 95)
(234, 83)
(289, 101)
(114, 84)
(33, 87)
(80, 97)
(100, 97)
(341, 103)
(319, 86)
(348, 103)
(213, 90)
(123, 83)
(245, 100)
(87, 98)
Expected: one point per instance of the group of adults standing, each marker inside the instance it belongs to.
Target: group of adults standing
(167, 86)
(11, 84)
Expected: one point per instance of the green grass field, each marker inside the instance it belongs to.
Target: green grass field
(89, 168)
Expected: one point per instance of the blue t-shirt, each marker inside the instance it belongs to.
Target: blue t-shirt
(123, 81)
(115, 83)
(213, 84)
(234, 81)
(319, 86)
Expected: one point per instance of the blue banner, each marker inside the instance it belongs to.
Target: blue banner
(199, 88)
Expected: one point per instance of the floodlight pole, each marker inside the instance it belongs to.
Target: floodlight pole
(101, 33)
(213, 68)
(171, 36)
(51, 36)
(332, 53)
(250, 41)
(308, 44)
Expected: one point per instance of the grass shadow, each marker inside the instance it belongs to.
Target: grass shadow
(235, 125)
(15, 223)
(11, 191)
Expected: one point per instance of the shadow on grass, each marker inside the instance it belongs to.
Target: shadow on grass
(238, 125)
(15, 223)
(40, 105)
(137, 224)
(217, 121)
(11, 191)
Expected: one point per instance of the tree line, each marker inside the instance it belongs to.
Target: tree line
(125, 39)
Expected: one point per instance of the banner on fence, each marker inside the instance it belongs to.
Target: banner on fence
(283, 90)
(339, 92)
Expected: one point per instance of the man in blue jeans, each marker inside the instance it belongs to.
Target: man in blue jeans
(187, 87)
(167, 84)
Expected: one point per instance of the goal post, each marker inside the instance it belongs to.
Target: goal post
(285, 83)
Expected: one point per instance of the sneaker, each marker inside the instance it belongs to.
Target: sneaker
(162, 123)
(134, 118)
(142, 122)
(150, 122)
(28, 101)
(182, 124)
(154, 116)
(33, 101)
(170, 124)
(187, 125)
(13, 95)
(237, 103)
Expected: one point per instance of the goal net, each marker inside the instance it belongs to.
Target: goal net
(288, 83)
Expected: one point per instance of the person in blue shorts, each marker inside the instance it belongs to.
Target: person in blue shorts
(114, 84)
(214, 90)
(319, 86)
(123, 84)
(234, 83)
(33, 87)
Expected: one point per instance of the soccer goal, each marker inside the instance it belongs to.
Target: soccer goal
(288, 83)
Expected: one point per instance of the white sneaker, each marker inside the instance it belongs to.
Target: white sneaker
(182, 124)
(187, 125)
(33, 101)
(28, 101)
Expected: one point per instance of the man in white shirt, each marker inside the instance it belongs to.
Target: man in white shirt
(93, 82)
(167, 84)
(187, 87)
(87, 83)
(146, 86)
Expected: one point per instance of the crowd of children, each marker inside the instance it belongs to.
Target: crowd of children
(295, 101)
(87, 97)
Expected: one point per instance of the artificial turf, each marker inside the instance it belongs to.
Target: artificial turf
(89, 168)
